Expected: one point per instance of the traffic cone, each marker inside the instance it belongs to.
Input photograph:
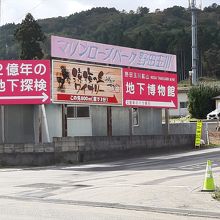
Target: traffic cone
(208, 185)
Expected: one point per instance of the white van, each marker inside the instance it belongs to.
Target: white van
(214, 114)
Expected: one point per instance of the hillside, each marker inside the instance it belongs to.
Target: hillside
(166, 31)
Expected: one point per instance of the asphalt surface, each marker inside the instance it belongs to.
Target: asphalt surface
(148, 187)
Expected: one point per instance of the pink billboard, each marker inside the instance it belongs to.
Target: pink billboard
(150, 89)
(24, 82)
(110, 54)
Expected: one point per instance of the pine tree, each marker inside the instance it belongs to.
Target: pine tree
(29, 36)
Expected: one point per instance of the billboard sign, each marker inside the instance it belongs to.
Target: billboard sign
(24, 82)
(110, 54)
(151, 89)
(86, 84)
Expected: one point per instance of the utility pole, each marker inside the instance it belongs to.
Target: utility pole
(2, 106)
(194, 43)
(0, 12)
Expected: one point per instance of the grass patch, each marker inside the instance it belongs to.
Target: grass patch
(216, 194)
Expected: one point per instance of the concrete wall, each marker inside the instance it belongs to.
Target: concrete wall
(190, 128)
(182, 128)
(93, 148)
(26, 154)
(80, 149)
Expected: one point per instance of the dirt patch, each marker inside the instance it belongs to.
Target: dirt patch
(214, 137)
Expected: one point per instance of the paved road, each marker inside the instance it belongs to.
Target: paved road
(12, 210)
(152, 187)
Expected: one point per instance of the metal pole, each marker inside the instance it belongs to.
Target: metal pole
(3, 123)
(194, 43)
(167, 122)
(131, 128)
(64, 120)
(2, 106)
(45, 123)
(109, 121)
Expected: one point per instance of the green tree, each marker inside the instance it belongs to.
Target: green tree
(200, 100)
(29, 36)
(212, 60)
(167, 31)
(144, 39)
(143, 10)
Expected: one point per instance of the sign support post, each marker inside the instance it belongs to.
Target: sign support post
(3, 123)
(167, 123)
(45, 123)
(131, 126)
(109, 121)
(64, 120)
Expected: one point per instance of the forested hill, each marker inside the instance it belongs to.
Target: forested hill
(166, 31)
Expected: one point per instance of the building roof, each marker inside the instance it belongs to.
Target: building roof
(183, 89)
(216, 97)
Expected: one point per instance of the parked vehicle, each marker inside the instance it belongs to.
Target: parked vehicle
(214, 114)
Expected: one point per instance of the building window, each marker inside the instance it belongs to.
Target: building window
(70, 112)
(135, 116)
(183, 104)
(82, 112)
(78, 112)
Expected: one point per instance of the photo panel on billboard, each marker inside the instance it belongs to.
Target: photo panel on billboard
(80, 83)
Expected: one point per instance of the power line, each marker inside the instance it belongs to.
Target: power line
(24, 14)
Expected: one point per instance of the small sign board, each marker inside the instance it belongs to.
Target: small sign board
(198, 133)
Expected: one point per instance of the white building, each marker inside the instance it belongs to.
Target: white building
(182, 109)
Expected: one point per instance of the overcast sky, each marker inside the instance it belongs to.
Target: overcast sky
(15, 10)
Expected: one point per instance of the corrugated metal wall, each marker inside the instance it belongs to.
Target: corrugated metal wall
(22, 122)
(18, 124)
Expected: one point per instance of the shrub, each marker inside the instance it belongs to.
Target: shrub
(201, 100)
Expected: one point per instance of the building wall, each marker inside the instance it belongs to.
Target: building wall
(18, 124)
(79, 127)
(120, 121)
(22, 123)
(99, 120)
(217, 104)
(182, 97)
(150, 122)
(54, 120)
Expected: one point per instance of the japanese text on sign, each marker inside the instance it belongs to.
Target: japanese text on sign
(198, 133)
(110, 54)
(149, 89)
(84, 83)
(24, 79)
